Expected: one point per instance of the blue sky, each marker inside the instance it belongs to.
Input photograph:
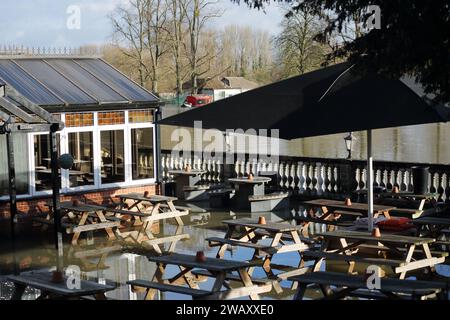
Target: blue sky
(43, 22)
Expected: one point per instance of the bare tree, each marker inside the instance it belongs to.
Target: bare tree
(298, 50)
(198, 13)
(155, 22)
(176, 37)
(129, 34)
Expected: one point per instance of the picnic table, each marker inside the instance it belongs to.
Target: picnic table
(219, 269)
(431, 226)
(333, 209)
(82, 218)
(401, 253)
(356, 286)
(42, 280)
(284, 238)
(245, 188)
(185, 179)
(148, 209)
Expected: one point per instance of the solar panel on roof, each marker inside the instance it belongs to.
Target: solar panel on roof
(50, 78)
(115, 79)
(86, 81)
(26, 85)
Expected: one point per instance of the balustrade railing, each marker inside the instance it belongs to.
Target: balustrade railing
(312, 177)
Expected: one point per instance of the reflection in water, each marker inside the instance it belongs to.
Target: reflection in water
(118, 262)
(421, 143)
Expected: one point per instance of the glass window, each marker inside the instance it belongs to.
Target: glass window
(142, 153)
(113, 156)
(140, 116)
(107, 118)
(81, 149)
(42, 161)
(79, 119)
(20, 144)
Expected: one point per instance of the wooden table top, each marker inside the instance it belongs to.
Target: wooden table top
(211, 264)
(42, 280)
(186, 173)
(269, 226)
(81, 207)
(385, 237)
(255, 180)
(150, 198)
(351, 281)
(356, 206)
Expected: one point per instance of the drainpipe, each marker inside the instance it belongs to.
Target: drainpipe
(157, 117)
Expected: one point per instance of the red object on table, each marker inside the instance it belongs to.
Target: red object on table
(395, 224)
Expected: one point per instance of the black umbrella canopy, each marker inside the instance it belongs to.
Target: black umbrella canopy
(326, 101)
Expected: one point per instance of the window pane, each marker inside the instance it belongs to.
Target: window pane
(42, 161)
(140, 116)
(81, 149)
(107, 118)
(142, 153)
(113, 156)
(20, 144)
(79, 119)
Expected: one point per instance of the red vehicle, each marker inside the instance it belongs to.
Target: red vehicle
(197, 100)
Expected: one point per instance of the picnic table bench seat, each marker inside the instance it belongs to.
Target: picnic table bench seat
(269, 202)
(229, 276)
(374, 247)
(350, 258)
(216, 241)
(407, 213)
(195, 293)
(353, 285)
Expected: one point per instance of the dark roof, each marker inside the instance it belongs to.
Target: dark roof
(331, 100)
(71, 81)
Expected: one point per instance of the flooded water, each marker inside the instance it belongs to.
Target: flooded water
(118, 262)
(422, 143)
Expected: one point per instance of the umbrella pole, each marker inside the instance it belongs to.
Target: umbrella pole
(369, 181)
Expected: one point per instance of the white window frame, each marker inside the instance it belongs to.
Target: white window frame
(95, 129)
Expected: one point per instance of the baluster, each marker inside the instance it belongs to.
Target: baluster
(320, 178)
(302, 178)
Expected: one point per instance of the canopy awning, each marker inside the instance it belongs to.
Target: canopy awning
(327, 101)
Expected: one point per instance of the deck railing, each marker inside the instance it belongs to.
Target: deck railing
(312, 177)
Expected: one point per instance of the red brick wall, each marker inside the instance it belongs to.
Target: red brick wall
(103, 197)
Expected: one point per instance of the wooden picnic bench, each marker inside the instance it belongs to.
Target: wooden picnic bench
(219, 269)
(41, 280)
(248, 233)
(150, 209)
(77, 219)
(350, 286)
(408, 259)
(433, 227)
(328, 208)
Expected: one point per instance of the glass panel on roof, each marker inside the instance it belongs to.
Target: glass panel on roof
(55, 81)
(26, 85)
(117, 80)
(86, 81)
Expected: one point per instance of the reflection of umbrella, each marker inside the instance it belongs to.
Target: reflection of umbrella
(327, 101)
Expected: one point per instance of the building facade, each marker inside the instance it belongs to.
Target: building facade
(108, 129)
